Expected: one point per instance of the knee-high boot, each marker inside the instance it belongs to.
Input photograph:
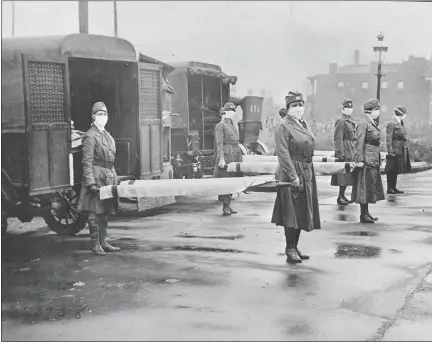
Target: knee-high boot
(290, 250)
(232, 211)
(94, 234)
(103, 224)
(299, 252)
(225, 204)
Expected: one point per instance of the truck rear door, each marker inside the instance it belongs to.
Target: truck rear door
(150, 119)
(46, 92)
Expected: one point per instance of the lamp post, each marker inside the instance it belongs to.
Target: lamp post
(380, 47)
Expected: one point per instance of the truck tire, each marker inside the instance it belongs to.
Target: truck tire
(64, 217)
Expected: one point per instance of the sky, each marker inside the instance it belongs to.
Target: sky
(271, 46)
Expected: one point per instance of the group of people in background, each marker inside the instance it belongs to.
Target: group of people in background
(296, 207)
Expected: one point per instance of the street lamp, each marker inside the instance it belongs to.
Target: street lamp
(380, 47)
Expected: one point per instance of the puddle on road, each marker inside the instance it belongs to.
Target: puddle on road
(392, 200)
(200, 249)
(346, 250)
(361, 233)
(343, 214)
(233, 237)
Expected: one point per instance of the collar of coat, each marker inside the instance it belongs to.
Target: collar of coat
(396, 121)
(108, 141)
(372, 121)
(292, 123)
(347, 118)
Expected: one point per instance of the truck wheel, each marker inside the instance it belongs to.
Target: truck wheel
(64, 217)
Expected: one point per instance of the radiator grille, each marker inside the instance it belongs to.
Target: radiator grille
(47, 92)
(149, 94)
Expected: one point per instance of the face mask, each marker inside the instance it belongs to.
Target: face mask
(100, 121)
(375, 113)
(229, 114)
(296, 112)
(347, 111)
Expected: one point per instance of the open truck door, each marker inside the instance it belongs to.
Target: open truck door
(150, 120)
(46, 92)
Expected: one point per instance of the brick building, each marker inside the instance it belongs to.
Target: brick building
(408, 83)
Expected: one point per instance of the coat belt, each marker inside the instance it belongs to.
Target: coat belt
(376, 144)
(231, 143)
(103, 163)
(303, 159)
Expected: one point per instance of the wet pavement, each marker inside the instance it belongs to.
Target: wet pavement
(187, 273)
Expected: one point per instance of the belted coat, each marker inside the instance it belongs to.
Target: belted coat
(226, 147)
(344, 141)
(367, 187)
(396, 141)
(99, 151)
(296, 207)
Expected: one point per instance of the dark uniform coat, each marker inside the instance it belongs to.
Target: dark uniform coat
(296, 207)
(344, 141)
(396, 139)
(367, 187)
(98, 168)
(227, 148)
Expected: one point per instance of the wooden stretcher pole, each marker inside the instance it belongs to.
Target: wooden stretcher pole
(83, 16)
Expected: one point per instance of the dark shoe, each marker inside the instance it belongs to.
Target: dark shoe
(373, 218)
(391, 192)
(232, 211)
(365, 218)
(346, 199)
(397, 191)
(302, 255)
(292, 256)
(342, 201)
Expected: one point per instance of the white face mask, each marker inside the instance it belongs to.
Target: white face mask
(347, 111)
(229, 114)
(374, 114)
(403, 117)
(100, 121)
(296, 112)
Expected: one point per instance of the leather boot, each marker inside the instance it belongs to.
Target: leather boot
(290, 250)
(232, 211)
(103, 223)
(94, 235)
(225, 206)
(342, 200)
(299, 252)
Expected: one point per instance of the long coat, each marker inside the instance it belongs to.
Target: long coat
(98, 168)
(396, 139)
(296, 207)
(226, 147)
(344, 141)
(367, 187)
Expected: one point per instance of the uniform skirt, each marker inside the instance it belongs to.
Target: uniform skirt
(367, 187)
(400, 164)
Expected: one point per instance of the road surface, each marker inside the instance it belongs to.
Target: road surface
(187, 273)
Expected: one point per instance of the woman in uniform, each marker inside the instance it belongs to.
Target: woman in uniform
(296, 206)
(368, 187)
(344, 141)
(227, 151)
(98, 170)
(398, 159)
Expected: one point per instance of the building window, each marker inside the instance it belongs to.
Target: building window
(340, 84)
(384, 108)
(384, 85)
(365, 85)
(400, 85)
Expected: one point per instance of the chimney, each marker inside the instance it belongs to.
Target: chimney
(356, 57)
(333, 68)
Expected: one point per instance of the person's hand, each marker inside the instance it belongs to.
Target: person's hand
(94, 189)
(295, 182)
(359, 164)
(222, 163)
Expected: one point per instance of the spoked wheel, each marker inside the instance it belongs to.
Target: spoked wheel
(64, 217)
